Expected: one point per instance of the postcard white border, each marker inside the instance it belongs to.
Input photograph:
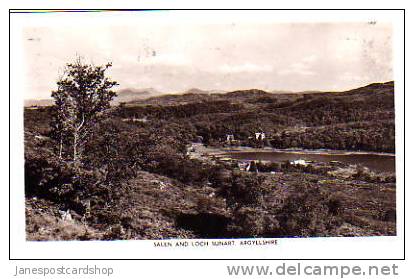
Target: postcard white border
(385, 247)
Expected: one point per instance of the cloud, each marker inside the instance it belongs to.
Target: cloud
(297, 69)
(347, 76)
(172, 56)
(310, 59)
(304, 67)
(171, 59)
(246, 67)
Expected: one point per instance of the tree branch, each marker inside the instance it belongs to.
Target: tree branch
(83, 121)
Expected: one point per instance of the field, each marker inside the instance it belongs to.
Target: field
(140, 180)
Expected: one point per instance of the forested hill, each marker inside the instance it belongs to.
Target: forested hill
(262, 96)
(358, 119)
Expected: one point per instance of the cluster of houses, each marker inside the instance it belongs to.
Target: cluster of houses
(133, 119)
(299, 162)
(230, 139)
(259, 136)
(244, 165)
(251, 166)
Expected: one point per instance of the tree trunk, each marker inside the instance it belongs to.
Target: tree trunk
(60, 146)
(75, 146)
(76, 141)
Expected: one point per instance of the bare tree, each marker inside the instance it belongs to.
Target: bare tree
(83, 94)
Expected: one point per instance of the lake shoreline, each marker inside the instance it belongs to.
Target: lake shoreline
(247, 149)
(376, 161)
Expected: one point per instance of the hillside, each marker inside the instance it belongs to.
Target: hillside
(130, 94)
(141, 179)
(38, 103)
(359, 119)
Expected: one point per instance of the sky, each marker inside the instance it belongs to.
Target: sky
(173, 56)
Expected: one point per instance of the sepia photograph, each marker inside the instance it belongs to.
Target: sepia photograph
(178, 125)
(209, 131)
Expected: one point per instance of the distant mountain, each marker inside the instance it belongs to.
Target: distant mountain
(123, 95)
(247, 93)
(217, 91)
(201, 91)
(131, 94)
(196, 91)
(280, 92)
(153, 96)
(38, 103)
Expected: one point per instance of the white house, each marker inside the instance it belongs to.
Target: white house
(299, 162)
(251, 167)
(260, 135)
(229, 138)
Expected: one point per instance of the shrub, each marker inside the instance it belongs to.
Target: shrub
(268, 167)
(62, 182)
(308, 212)
(220, 177)
(252, 222)
(335, 204)
(124, 149)
(49, 177)
(243, 189)
(364, 174)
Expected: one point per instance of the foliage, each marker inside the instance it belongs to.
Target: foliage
(252, 221)
(308, 212)
(362, 119)
(243, 189)
(138, 181)
(83, 94)
(61, 182)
